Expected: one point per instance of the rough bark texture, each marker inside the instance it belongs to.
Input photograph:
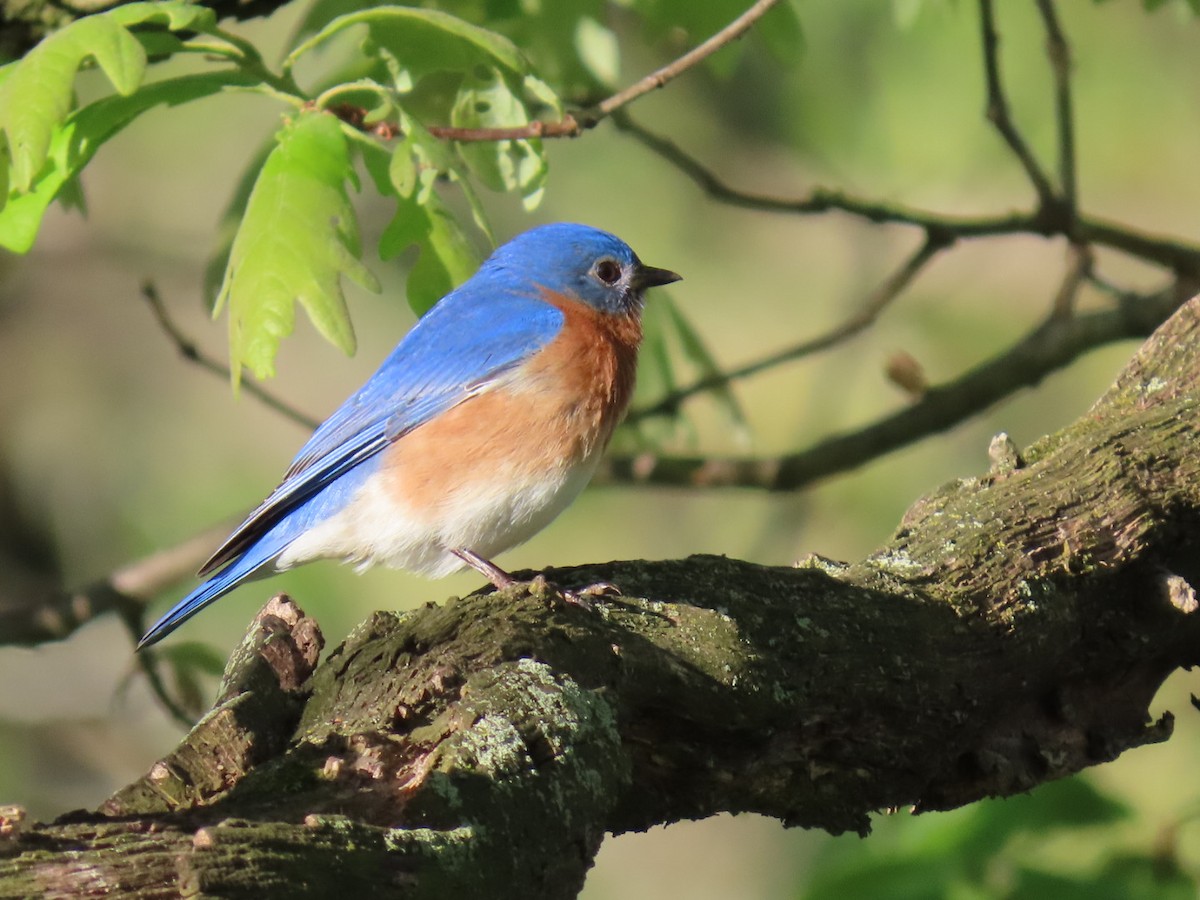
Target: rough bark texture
(1014, 630)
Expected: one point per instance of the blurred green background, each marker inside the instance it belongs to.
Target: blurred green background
(117, 447)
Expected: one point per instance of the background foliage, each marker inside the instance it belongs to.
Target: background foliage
(208, 171)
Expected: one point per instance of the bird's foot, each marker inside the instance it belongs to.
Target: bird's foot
(580, 597)
(540, 585)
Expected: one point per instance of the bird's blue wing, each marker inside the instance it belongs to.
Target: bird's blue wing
(452, 353)
(469, 339)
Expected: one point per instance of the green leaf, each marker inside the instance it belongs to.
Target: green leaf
(1122, 878)
(599, 50)
(227, 227)
(36, 94)
(486, 100)
(781, 32)
(445, 257)
(36, 98)
(175, 15)
(76, 140)
(913, 878)
(298, 237)
(668, 333)
(420, 41)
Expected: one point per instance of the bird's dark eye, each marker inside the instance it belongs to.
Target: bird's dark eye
(608, 271)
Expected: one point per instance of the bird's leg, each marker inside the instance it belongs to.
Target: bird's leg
(485, 567)
(502, 579)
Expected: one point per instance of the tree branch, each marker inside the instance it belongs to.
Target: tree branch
(997, 108)
(659, 78)
(484, 747)
(1059, 52)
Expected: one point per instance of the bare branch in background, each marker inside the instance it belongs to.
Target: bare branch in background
(997, 107)
(59, 613)
(190, 350)
(1172, 253)
(1051, 345)
(1060, 63)
(822, 200)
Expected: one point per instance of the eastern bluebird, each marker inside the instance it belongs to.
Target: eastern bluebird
(481, 426)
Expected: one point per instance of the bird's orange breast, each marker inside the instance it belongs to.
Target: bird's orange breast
(557, 410)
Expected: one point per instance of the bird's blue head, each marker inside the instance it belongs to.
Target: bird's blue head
(581, 262)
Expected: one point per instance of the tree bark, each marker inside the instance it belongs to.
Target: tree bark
(1013, 630)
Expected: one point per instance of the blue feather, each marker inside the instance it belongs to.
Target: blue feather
(263, 551)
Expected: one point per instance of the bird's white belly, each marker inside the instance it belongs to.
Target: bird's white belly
(491, 514)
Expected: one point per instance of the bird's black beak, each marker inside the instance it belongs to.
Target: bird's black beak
(648, 277)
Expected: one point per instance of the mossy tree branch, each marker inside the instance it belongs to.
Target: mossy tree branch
(1014, 630)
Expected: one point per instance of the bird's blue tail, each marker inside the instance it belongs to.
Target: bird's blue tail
(255, 560)
(241, 569)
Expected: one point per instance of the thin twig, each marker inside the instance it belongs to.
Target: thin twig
(822, 200)
(876, 302)
(667, 73)
(1060, 63)
(567, 126)
(997, 107)
(1078, 266)
(189, 350)
(573, 125)
(1053, 344)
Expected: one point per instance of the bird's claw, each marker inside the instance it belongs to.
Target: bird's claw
(581, 597)
(601, 589)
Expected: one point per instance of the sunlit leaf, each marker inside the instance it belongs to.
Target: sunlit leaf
(599, 50)
(486, 100)
(75, 141)
(420, 40)
(445, 257)
(36, 98)
(176, 15)
(227, 227)
(299, 236)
